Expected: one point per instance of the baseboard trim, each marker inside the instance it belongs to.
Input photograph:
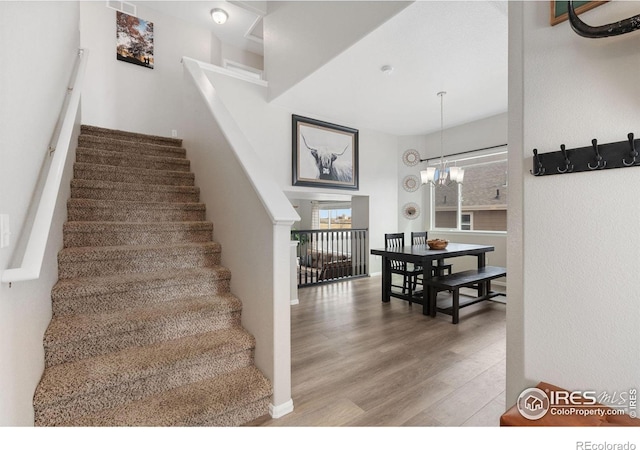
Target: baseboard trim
(281, 410)
(295, 301)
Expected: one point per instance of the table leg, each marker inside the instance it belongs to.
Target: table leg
(482, 287)
(386, 280)
(426, 293)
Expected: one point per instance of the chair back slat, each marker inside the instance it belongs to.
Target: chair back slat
(394, 240)
(418, 237)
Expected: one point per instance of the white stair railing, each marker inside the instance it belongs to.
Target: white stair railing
(59, 148)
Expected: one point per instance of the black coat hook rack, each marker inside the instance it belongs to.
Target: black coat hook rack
(614, 155)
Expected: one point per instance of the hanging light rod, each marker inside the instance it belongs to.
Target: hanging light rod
(465, 152)
(441, 174)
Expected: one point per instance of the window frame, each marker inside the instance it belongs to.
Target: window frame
(452, 161)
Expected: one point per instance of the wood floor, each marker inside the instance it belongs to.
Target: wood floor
(359, 362)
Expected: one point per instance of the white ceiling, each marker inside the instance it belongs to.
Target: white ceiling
(241, 29)
(455, 46)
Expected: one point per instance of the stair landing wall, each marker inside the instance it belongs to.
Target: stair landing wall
(248, 237)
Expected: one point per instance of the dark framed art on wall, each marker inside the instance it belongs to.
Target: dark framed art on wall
(324, 154)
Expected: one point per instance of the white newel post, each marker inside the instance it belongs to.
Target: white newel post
(282, 402)
(294, 273)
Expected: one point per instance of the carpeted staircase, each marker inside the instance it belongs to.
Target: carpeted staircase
(145, 331)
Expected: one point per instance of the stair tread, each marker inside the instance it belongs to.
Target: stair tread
(79, 327)
(128, 135)
(74, 379)
(131, 156)
(96, 203)
(189, 405)
(125, 282)
(137, 226)
(122, 186)
(155, 148)
(75, 254)
(132, 170)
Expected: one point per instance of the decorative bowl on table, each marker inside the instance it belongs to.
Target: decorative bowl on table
(437, 244)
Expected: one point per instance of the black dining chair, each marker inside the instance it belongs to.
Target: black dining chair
(439, 267)
(408, 272)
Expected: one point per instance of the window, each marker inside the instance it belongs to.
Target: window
(331, 216)
(466, 221)
(480, 203)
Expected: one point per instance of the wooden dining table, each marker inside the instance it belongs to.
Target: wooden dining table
(423, 255)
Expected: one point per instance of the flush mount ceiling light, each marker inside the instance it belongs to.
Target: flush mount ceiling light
(386, 69)
(442, 175)
(219, 16)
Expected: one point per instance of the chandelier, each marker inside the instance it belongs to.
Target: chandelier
(442, 175)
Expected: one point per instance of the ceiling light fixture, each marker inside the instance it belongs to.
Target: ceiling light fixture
(219, 16)
(386, 69)
(442, 175)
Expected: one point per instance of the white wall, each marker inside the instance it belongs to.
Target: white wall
(127, 97)
(304, 208)
(238, 55)
(240, 223)
(301, 37)
(37, 62)
(268, 128)
(579, 307)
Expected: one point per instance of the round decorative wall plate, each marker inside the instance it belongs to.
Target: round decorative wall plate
(410, 183)
(411, 157)
(411, 210)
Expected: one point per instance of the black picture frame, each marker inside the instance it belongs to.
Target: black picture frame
(324, 154)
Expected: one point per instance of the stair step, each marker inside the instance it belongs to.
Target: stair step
(111, 158)
(77, 262)
(129, 136)
(112, 190)
(135, 148)
(75, 337)
(93, 295)
(69, 390)
(88, 234)
(230, 399)
(88, 171)
(89, 210)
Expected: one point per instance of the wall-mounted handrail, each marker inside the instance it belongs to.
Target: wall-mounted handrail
(37, 243)
(273, 199)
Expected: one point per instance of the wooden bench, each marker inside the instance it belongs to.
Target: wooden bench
(477, 278)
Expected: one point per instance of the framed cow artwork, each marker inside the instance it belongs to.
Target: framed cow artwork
(324, 154)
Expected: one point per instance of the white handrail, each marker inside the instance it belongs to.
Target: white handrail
(36, 246)
(273, 199)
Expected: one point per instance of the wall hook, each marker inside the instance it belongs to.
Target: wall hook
(600, 163)
(633, 153)
(568, 166)
(538, 162)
